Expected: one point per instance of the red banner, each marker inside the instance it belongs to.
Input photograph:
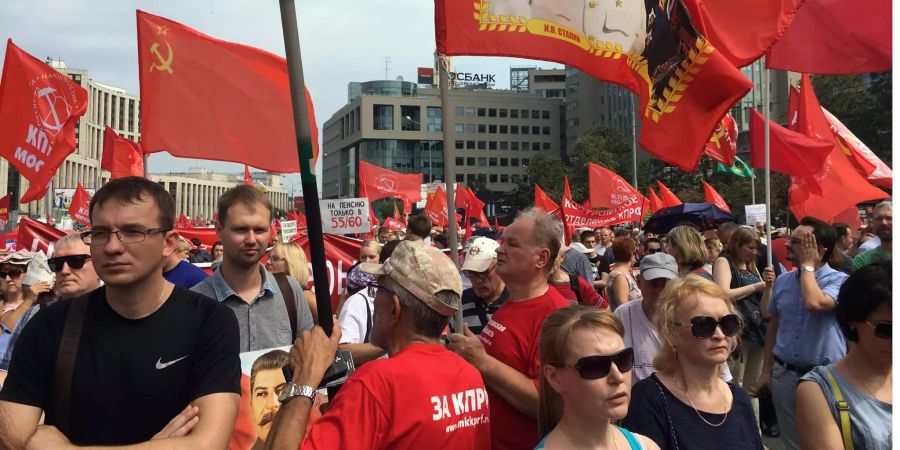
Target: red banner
(866, 162)
(722, 146)
(685, 85)
(543, 201)
(183, 222)
(121, 157)
(79, 209)
(609, 190)
(4, 207)
(710, 195)
(668, 197)
(38, 110)
(578, 216)
(436, 208)
(377, 183)
(393, 224)
(207, 236)
(34, 236)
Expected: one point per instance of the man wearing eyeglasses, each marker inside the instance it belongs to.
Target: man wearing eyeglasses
(136, 360)
(488, 291)
(75, 275)
(803, 331)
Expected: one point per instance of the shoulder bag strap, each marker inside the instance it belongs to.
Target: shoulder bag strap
(668, 416)
(287, 293)
(368, 320)
(65, 362)
(843, 410)
(573, 284)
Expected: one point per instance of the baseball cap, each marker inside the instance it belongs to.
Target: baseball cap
(580, 248)
(480, 254)
(20, 257)
(423, 271)
(659, 265)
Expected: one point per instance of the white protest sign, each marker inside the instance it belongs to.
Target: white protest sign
(288, 230)
(755, 214)
(345, 215)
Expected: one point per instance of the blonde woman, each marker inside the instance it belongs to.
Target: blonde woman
(687, 247)
(686, 405)
(290, 259)
(585, 382)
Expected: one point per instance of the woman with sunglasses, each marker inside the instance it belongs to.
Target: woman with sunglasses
(862, 379)
(686, 405)
(585, 382)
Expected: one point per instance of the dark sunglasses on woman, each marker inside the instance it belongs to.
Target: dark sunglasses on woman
(598, 366)
(13, 273)
(881, 329)
(74, 261)
(704, 327)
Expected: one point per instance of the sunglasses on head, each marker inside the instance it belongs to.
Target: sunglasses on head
(881, 329)
(12, 273)
(373, 288)
(704, 327)
(74, 261)
(598, 366)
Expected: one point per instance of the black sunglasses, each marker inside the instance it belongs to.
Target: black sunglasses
(704, 327)
(598, 366)
(881, 329)
(12, 273)
(651, 251)
(74, 261)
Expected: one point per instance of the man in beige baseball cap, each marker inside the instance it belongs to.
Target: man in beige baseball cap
(417, 291)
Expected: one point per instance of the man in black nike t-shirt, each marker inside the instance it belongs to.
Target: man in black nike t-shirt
(153, 361)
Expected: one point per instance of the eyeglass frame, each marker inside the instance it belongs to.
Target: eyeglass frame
(875, 326)
(579, 365)
(87, 236)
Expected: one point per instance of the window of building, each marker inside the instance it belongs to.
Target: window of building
(482, 145)
(504, 178)
(492, 129)
(459, 128)
(525, 113)
(503, 112)
(535, 113)
(470, 128)
(470, 161)
(513, 145)
(503, 129)
(525, 162)
(545, 114)
(434, 119)
(515, 178)
(535, 146)
(492, 145)
(514, 113)
(470, 111)
(482, 112)
(470, 145)
(504, 162)
(492, 112)
(492, 178)
(482, 128)
(546, 131)
(460, 144)
(410, 117)
(526, 130)
(460, 161)
(383, 117)
(504, 145)
(460, 178)
(459, 111)
(514, 162)
(482, 162)
(535, 130)
(545, 145)
(492, 162)
(514, 129)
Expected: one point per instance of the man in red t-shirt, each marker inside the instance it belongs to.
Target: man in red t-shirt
(507, 351)
(423, 396)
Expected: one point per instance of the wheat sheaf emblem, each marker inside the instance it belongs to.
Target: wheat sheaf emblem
(679, 80)
(493, 22)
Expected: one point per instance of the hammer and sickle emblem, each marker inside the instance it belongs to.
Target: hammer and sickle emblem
(165, 63)
(720, 133)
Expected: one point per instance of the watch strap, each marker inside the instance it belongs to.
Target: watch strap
(294, 390)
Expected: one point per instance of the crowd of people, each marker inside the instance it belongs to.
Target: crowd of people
(607, 338)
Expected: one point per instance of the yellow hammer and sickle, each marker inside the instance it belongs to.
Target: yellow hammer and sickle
(715, 137)
(164, 63)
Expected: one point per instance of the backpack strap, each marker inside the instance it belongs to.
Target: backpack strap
(843, 410)
(368, 320)
(65, 362)
(287, 293)
(573, 284)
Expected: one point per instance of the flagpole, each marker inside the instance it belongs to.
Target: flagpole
(752, 188)
(449, 177)
(768, 171)
(633, 144)
(307, 171)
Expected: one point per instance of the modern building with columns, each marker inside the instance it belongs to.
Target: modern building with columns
(197, 191)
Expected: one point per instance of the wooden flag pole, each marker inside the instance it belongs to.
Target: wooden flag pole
(449, 177)
(768, 171)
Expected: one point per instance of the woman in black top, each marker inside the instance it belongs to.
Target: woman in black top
(686, 405)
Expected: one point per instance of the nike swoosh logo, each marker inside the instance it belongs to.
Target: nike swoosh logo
(161, 365)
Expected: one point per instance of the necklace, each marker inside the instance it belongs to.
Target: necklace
(863, 383)
(691, 401)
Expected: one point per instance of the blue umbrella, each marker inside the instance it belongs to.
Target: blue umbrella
(704, 215)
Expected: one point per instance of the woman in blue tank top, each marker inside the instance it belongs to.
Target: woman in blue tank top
(585, 382)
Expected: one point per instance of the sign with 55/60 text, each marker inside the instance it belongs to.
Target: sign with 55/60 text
(345, 215)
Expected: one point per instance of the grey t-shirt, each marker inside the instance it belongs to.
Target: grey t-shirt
(576, 263)
(264, 323)
(870, 418)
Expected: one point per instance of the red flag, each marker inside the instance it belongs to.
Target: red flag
(496, 223)
(850, 217)
(742, 30)
(790, 152)
(4, 207)
(79, 209)
(543, 201)
(382, 183)
(121, 157)
(836, 37)
(685, 85)
(38, 111)
(606, 189)
(722, 146)
(396, 212)
(183, 222)
(436, 208)
(711, 196)
(864, 160)
(841, 185)
(392, 224)
(655, 203)
(668, 197)
(34, 235)
(248, 180)
(567, 192)
(575, 216)
(185, 75)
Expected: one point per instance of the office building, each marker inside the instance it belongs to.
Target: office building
(197, 191)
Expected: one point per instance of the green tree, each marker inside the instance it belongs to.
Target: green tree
(600, 145)
(543, 170)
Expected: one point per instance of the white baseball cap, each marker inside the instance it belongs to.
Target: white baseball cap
(480, 255)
